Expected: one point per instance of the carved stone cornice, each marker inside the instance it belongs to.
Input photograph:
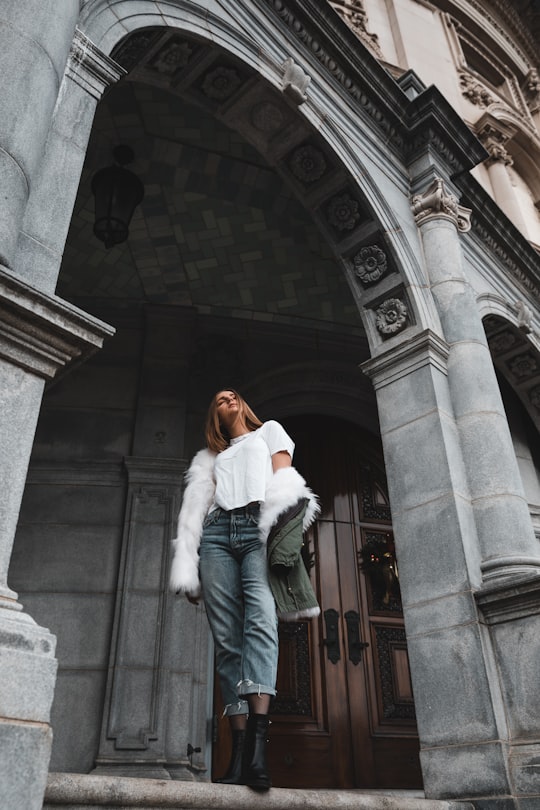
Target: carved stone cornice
(500, 238)
(438, 203)
(364, 80)
(391, 364)
(90, 68)
(495, 245)
(42, 333)
(434, 126)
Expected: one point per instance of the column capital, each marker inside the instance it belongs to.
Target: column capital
(494, 135)
(436, 202)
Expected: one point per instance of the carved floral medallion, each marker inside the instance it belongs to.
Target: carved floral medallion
(391, 317)
(343, 212)
(370, 264)
(221, 83)
(307, 164)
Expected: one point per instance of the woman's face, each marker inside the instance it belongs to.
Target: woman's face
(228, 407)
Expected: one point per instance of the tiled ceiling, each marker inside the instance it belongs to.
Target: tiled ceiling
(218, 229)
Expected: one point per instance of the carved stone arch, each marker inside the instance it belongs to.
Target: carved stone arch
(316, 389)
(329, 177)
(515, 348)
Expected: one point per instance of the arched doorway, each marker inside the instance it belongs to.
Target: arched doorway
(344, 715)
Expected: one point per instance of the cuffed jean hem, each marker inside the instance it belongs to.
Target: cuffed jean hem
(240, 707)
(247, 687)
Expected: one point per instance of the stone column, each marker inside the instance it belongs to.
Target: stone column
(508, 547)
(55, 182)
(457, 700)
(35, 37)
(155, 705)
(486, 657)
(38, 336)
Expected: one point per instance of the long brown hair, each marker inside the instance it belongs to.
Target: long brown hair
(217, 437)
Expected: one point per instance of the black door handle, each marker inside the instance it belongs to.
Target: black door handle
(355, 643)
(331, 642)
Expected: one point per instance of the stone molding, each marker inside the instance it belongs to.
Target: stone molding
(510, 600)
(80, 472)
(377, 84)
(142, 470)
(507, 12)
(90, 68)
(504, 569)
(501, 239)
(74, 790)
(439, 203)
(424, 349)
(435, 129)
(42, 333)
(133, 736)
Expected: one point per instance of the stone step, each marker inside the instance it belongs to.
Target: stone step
(69, 791)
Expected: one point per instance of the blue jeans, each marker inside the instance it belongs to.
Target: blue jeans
(239, 605)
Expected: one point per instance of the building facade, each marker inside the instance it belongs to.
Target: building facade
(341, 218)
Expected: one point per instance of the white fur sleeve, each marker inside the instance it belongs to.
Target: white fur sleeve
(286, 488)
(198, 496)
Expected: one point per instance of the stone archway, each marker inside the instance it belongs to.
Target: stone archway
(425, 354)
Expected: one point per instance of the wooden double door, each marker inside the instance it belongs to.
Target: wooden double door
(344, 714)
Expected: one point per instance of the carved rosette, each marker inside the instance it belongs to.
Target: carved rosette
(534, 396)
(502, 343)
(370, 264)
(172, 57)
(524, 365)
(342, 212)
(391, 317)
(307, 164)
(219, 84)
(267, 117)
(438, 203)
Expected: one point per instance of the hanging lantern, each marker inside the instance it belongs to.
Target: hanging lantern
(118, 192)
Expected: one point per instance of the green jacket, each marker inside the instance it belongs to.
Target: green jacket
(289, 579)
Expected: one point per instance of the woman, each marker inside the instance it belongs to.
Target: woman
(242, 500)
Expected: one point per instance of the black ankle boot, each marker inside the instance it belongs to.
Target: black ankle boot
(234, 771)
(255, 768)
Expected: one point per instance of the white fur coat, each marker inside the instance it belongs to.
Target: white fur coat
(286, 487)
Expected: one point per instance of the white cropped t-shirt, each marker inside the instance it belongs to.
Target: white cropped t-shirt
(243, 470)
